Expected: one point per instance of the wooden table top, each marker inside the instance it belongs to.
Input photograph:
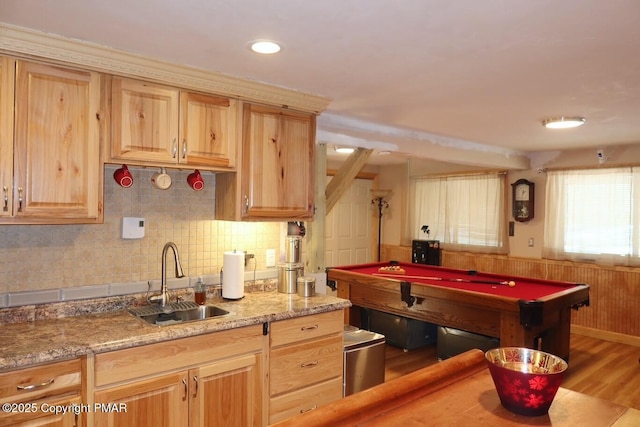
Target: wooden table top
(458, 391)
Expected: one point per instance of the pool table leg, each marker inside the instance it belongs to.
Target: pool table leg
(344, 291)
(556, 340)
(513, 334)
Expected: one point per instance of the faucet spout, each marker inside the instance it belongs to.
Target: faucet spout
(163, 297)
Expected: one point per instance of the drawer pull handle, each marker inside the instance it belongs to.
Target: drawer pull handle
(309, 328)
(19, 199)
(195, 381)
(302, 411)
(306, 365)
(34, 386)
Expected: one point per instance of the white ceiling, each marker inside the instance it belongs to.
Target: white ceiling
(459, 81)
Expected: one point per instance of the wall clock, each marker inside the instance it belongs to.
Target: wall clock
(523, 200)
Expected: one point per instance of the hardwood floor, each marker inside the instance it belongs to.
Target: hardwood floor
(599, 368)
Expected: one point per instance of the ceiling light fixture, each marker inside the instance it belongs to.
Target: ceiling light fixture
(345, 150)
(265, 47)
(563, 122)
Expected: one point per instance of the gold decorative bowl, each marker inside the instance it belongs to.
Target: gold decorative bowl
(526, 380)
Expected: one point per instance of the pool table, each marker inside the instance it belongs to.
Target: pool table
(531, 313)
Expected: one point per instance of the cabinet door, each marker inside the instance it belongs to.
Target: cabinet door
(227, 393)
(144, 122)
(207, 130)
(57, 171)
(162, 401)
(7, 73)
(278, 163)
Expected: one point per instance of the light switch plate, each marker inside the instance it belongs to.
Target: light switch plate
(132, 228)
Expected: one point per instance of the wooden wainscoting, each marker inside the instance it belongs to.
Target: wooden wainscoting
(614, 291)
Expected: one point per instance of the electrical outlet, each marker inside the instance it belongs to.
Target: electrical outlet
(270, 258)
(531, 242)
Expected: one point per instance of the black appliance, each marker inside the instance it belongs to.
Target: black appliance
(426, 252)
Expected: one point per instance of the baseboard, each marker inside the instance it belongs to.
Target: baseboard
(606, 335)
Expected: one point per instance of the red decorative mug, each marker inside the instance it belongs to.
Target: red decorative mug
(123, 177)
(195, 180)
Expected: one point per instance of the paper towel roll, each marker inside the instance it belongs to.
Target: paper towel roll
(233, 275)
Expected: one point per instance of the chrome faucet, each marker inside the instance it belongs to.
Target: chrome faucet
(162, 298)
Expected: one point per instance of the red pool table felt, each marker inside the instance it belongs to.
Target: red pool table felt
(525, 288)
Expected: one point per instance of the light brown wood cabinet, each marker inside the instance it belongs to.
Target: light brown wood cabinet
(305, 364)
(276, 181)
(7, 79)
(206, 380)
(51, 126)
(154, 125)
(30, 394)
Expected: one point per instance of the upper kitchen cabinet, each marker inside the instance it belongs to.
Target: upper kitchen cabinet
(276, 178)
(51, 125)
(154, 125)
(7, 77)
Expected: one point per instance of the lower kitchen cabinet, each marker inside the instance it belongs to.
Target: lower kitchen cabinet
(161, 401)
(227, 393)
(305, 364)
(31, 393)
(207, 380)
(218, 394)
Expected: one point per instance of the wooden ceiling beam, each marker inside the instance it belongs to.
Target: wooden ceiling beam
(345, 176)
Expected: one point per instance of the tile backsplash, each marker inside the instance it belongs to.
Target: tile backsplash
(54, 258)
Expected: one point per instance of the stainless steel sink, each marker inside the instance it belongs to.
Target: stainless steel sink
(177, 313)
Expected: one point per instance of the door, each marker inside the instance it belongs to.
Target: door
(144, 122)
(57, 143)
(278, 170)
(158, 402)
(7, 73)
(348, 227)
(207, 130)
(227, 393)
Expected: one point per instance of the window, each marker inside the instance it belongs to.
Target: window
(593, 215)
(464, 212)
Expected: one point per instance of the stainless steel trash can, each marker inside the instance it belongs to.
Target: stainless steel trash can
(363, 360)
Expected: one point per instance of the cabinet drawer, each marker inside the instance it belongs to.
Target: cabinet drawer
(299, 365)
(34, 383)
(306, 399)
(151, 359)
(307, 327)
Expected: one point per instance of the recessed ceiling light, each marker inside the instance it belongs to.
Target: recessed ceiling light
(345, 150)
(384, 153)
(265, 47)
(563, 122)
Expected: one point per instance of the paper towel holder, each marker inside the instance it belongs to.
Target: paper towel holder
(232, 279)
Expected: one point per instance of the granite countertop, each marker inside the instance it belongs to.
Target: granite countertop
(29, 342)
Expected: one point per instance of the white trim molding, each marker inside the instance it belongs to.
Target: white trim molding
(25, 43)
